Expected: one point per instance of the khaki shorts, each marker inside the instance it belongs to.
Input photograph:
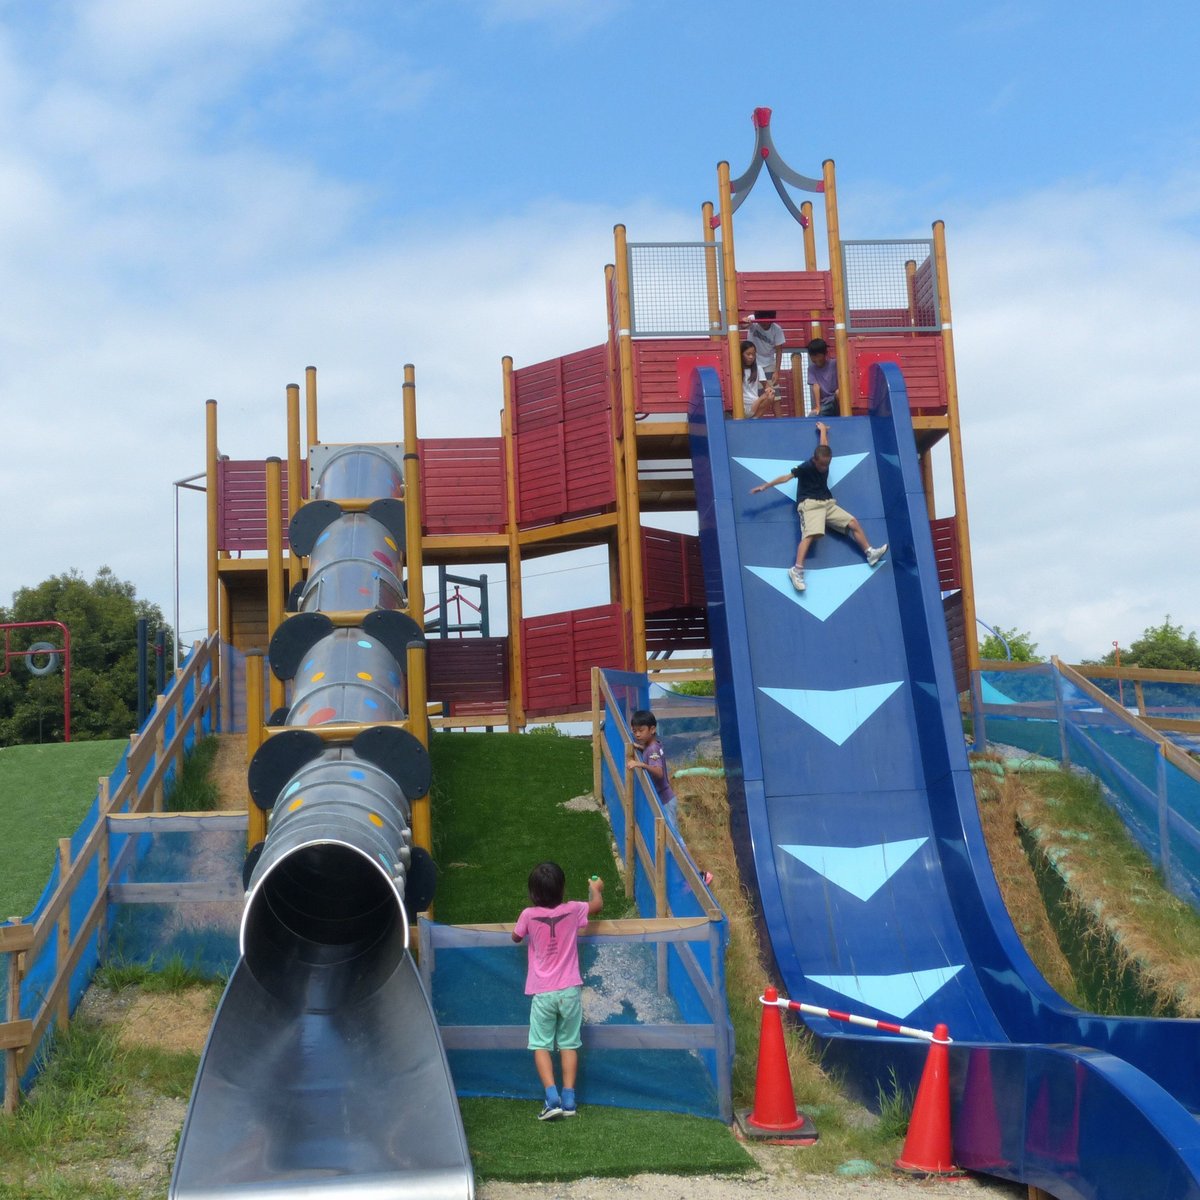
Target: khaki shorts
(815, 515)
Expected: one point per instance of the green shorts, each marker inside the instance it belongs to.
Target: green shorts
(555, 1019)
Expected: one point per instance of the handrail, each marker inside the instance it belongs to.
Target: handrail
(1170, 751)
(633, 835)
(150, 748)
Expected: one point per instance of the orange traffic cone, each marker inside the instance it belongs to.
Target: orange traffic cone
(927, 1148)
(774, 1116)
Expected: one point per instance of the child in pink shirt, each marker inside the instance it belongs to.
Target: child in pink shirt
(553, 980)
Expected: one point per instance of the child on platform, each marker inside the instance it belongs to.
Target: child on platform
(552, 926)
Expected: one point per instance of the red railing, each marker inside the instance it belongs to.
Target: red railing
(656, 364)
(671, 569)
(919, 356)
(468, 673)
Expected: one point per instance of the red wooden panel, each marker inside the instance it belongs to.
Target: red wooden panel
(925, 294)
(945, 550)
(956, 631)
(559, 651)
(679, 631)
(541, 475)
(792, 294)
(468, 671)
(591, 481)
(656, 368)
(463, 485)
(919, 357)
(671, 569)
(242, 503)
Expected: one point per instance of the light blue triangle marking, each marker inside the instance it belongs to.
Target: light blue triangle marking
(837, 714)
(990, 694)
(828, 588)
(772, 468)
(891, 459)
(859, 870)
(896, 995)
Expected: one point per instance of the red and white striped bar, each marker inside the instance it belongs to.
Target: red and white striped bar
(870, 1022)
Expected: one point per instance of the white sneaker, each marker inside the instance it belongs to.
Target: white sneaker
(796, 575)
(874, 554)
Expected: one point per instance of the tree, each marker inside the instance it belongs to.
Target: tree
(1161, 648)
(102, 616)
(1021, 645)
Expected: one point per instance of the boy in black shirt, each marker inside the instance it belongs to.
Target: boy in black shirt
(818, 508)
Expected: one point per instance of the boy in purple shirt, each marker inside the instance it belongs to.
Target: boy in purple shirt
(553, 979)
(822, 379)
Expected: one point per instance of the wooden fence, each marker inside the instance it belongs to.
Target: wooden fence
(187, 710)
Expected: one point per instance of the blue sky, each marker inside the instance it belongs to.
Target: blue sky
(200, 197)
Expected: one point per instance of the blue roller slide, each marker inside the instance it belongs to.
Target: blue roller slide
(854, 816)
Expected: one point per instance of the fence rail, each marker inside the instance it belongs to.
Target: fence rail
(187, 710)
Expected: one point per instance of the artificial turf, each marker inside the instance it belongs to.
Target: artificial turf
(497, 812)
(45, 791)
(508, 1142)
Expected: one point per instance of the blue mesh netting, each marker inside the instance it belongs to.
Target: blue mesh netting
(477, 982)
(42, 966)
(1158, 800)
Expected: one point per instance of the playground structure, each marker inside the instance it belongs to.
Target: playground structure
(852, 807)
(596, 440)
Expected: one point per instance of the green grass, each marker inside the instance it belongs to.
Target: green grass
(45, 791)
(173, 975)
(508, 1142)
(1134, 946)
(497, 813)
(194, 789)
(78, 1117)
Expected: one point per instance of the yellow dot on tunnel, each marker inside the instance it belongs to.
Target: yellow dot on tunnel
(295, 804)
(365, 675)
(375, 819)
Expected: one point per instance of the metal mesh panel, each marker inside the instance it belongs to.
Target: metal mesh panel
(669, 289)
(890, 285)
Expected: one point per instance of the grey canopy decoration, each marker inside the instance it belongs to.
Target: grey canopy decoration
(779, 171)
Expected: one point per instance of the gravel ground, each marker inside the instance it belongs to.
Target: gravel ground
(772, 1185)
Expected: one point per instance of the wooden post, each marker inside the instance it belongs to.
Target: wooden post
(597, 737)
(733, 331)
(633, 507)
(210, 503)
(712, 282)
(925, 462)
(660, 896)
(414, 557)
(224, 665)
(12, 1076)
(841, 341)
(256, 828)
(310, 406)
(293, 447)
(275, 594)
(910, 287)
(180, 756)
(1141, 698)
(422, 820)
(158, 798)
(617, 403)
(63, 946)
(962, 526)
(516, 608)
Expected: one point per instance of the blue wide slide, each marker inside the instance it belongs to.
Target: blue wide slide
(853, 810)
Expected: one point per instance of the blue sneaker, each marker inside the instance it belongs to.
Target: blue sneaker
(550, 1111)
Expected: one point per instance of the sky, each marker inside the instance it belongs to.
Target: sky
(198, 198)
